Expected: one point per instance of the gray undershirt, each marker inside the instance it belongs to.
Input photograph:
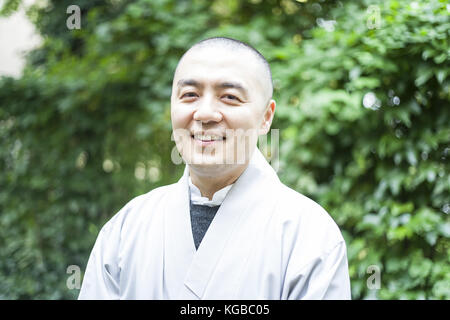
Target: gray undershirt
(201, 218)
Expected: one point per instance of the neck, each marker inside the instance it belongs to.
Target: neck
(212, 181)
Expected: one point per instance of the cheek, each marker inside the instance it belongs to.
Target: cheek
(181, 117)
(243, 128)
(242, 119)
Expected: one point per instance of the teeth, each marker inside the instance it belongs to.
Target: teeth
(205, 137)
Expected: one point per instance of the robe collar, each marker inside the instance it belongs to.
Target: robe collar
(188, 270)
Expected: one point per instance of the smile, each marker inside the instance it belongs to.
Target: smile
(207, 138)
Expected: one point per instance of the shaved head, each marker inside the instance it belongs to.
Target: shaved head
(221, 102)
(265, 74)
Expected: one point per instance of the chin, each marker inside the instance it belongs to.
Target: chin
(207, 160)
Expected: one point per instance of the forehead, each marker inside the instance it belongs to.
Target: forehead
(213, 64)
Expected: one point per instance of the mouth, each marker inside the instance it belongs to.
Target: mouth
(207, 139)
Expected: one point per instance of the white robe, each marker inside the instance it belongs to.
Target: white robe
(266, 241)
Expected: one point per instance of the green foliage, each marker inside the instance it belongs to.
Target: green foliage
(381, 171)
(363, 115)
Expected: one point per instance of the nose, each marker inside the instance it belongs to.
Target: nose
(206, 111)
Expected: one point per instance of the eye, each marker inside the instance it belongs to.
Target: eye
(231, 97)
(189, 95)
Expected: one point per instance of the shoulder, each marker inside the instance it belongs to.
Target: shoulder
(122, 226)
(133, 210)
(307, 222)
(298, 206)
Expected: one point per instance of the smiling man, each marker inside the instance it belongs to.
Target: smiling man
(228, 229)
(221, 101)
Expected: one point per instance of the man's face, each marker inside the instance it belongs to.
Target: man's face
(218, 106)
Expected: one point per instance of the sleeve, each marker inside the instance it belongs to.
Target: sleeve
(325, 278)
(101, 279)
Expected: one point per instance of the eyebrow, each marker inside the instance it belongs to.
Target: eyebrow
(223, 85)
(188, 82)
(233, 85)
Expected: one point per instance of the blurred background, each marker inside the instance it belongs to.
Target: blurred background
(362, 91)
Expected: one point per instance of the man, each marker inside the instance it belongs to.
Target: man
(228, 229)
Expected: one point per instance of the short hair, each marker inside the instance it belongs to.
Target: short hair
(235, 44)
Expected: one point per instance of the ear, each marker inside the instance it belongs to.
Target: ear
(269, 112)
